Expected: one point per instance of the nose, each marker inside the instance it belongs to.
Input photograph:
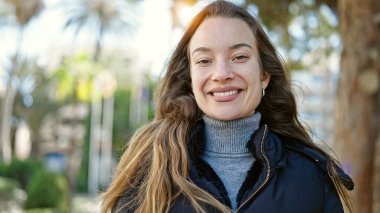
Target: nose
(222, 72)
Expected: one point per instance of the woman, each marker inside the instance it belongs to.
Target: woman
(226, 137)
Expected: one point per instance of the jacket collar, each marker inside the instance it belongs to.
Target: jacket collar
(268, 155)
(267, 148)
(257, 145)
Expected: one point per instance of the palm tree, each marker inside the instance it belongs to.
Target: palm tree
(24, 11)
(100, 17)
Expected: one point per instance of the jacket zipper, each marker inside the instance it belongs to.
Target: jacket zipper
(268, 171)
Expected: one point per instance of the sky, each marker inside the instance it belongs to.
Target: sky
(150, 45)
(45, 34)
(152, 40)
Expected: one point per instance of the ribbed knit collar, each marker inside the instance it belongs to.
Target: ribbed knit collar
(229, 137)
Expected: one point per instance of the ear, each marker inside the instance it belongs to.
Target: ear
(265, 78)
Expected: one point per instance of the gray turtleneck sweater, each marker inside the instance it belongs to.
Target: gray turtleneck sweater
(226, 151)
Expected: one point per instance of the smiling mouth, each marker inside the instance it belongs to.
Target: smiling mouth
(228, 93)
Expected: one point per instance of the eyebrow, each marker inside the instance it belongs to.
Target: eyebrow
(201, 49)
(237, 46)
(233, 47)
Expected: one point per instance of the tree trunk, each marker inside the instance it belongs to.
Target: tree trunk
(10, 94)
(95, 134)
(376, 192)
(6, 122)
(357, 108)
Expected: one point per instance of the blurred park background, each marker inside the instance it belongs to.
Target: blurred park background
(77, 78)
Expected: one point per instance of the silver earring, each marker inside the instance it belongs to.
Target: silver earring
(263, 92)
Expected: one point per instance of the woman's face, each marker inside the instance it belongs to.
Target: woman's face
(226, 79)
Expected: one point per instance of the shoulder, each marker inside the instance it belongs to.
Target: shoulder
(313, 167)
(284, 150)
(310, 162)
(319, 160)
(298, 174)
(305, 168)
(300, 152)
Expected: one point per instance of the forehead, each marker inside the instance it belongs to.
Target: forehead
(216, 32)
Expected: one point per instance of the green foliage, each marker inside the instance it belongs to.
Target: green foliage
(152, 87)
(21, 170)
(48, 190)
(41, 106)
(82, 179)
(73, 78)
(7, 184)
(299, 27)
(122, 129)
(42, 210)
(8, 188)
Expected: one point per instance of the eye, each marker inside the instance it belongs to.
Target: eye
(203, 62)
(240, 58)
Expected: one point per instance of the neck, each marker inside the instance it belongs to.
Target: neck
(230, 137)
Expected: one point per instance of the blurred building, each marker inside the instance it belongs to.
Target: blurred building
(315, 94)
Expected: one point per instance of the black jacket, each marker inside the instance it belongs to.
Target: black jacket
(287, 177)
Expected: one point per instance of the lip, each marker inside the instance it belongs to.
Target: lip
(225, 94)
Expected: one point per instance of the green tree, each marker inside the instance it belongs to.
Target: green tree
(73, 83)
(41, 94)
(299, 26)
(54, 195)
(31, 103)
(24, 11)
(72, 80)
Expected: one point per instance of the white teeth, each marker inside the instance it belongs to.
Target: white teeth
(233, 92)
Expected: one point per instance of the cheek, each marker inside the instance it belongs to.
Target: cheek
(196, 81)
(195, 86)
(193, 80)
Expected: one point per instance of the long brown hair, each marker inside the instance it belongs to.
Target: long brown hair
(154, 168)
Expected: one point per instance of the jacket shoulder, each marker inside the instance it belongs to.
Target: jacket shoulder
(320, 160)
